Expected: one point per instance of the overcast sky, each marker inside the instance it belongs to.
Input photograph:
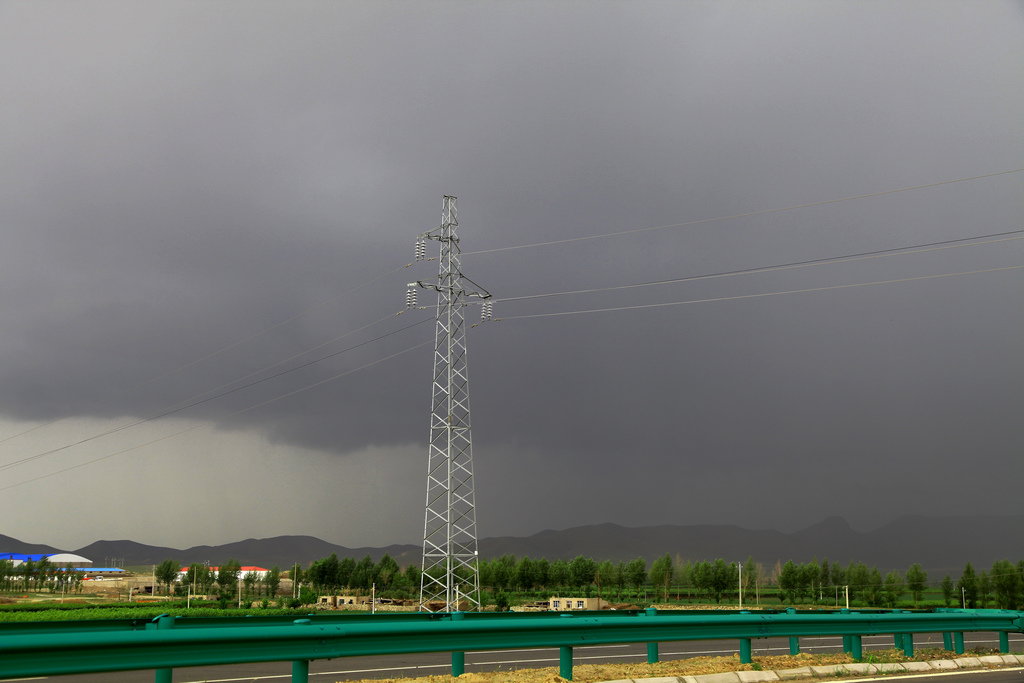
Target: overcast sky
(198, 195)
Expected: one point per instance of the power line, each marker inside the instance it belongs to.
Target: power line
(750, 296)
(222, 417)
(568, 240)
(898, 251)
(523, 246)
(222, 350)
(192, 402)
(198, 400)
(740, 215)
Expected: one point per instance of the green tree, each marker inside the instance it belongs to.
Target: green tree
(167, 573)
(412, 576)
(525, 574)
(873, 588)
(637, 573)
(199, 578)
(501, 575)
(825, 577)
(684, 576)
(916, 580)
(947, 591)
(64, 578)
(541, 571)
(272, 581)
(308, 596)
(325, 574)
(724, 576)
(838, 574)
(984, 588)
(27, 570)
(661, 574)
(700, 576)
(1006, 583)
(346, 568)
(968, 587)
(810, 574)
(789, 580)
(752, 578)
(363, 574)
(606, 576)
(582, 571)
(387, 569)
(7, 574)
(559, 574)
(227, 577)
(249, 581)
(857, 577)
(486, 572)
(892, 590)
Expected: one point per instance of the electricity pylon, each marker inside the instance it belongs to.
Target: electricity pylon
(450, 568)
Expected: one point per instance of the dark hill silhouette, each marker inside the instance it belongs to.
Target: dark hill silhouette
(940, 544)
(283, 551)
(13, 545)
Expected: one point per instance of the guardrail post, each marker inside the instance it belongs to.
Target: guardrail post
(947, 641)
(1004, 642)
(652, 648)
(905, 642)
(745, 647)
(300, 667)
(458, 658)
(565, 662)
(745, 651)
(856, 650)
(164, 621)
(794, 641)
(847, 644)
(958, 642)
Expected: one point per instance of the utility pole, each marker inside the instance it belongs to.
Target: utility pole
(450, 554)
(739, 566)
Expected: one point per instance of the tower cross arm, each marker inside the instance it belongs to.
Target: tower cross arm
(439, 235)
(479, 293)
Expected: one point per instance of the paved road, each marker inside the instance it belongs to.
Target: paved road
(412, 666)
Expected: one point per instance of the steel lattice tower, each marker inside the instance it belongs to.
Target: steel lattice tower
(450, 569)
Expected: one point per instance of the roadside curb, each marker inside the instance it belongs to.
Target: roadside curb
(837, 670)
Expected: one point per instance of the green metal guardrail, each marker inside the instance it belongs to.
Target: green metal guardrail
(167, 642)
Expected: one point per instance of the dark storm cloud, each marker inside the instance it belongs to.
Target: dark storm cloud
(178, 178)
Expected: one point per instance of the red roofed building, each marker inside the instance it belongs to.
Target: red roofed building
(260, 572)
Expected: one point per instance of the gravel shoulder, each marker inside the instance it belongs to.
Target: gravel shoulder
(730, 670)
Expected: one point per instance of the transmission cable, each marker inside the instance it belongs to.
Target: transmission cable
(222, 417)
(739, 215)
(749, 296)
(897, 251)
(196, 400)
(219, 351)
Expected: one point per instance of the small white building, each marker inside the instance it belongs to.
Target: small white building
(557, 604)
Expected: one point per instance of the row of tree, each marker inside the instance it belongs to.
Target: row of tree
(229, 579)
(812, 582)
(39, 575)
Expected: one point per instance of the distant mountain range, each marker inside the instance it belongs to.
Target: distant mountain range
(940, 544)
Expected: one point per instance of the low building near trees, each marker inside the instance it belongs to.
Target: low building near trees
(557, 604)
(260, 572)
